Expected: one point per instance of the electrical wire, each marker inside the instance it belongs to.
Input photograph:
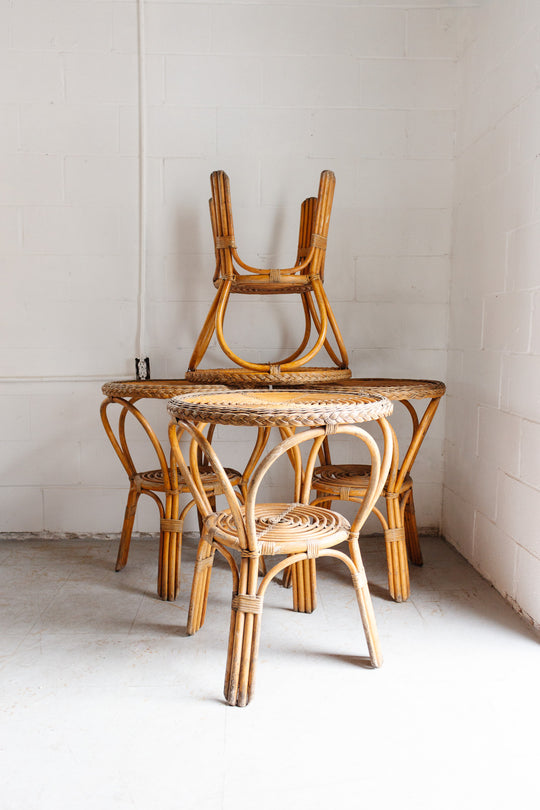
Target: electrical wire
(141, 313)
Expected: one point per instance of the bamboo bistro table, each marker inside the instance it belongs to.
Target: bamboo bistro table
(126, 394)
(348, 481)
(296, 531)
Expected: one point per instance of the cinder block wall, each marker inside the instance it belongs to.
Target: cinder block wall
(272, 93)
(492, 451)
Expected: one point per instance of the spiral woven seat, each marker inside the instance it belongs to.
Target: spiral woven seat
(154, 480)
(242, 378)
(354, 478)
(289, 408)
(287, 528)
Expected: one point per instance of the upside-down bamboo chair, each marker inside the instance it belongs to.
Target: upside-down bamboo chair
(298, 530)
(305, 279)
(160, 482)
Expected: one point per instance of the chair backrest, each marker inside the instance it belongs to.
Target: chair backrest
(245, 519)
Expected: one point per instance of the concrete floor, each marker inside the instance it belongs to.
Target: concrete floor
(106, 702)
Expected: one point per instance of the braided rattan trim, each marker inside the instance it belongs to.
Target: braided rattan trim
(247, 604)
(170, 525)
(245, 377)
(394, 535)
(149, 389)
(396, 388)
(257, 407)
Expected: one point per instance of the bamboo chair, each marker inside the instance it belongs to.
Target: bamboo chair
(305, 279)
(348, 482)
(160, 482)
(298, 530)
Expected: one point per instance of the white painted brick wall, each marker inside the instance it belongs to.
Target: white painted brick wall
(270, 93)
(492, 475)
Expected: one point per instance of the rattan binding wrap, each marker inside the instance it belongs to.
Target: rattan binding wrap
(148, 389)
(243, 377)
(279, 408)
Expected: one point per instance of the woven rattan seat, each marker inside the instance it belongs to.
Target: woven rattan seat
(286, 528)
(296, 531)
(234, 276)
(154, 480)
(351, 477)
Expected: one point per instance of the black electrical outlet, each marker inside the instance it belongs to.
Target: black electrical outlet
(142, 368)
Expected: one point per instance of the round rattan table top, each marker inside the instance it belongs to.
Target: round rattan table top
(244, 378)
(279, 407)
(393, 388)
(150, 389)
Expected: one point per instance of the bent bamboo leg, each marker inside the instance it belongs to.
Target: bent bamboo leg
(411, 532)
(200, 584)
(365, 604)
(127, 527)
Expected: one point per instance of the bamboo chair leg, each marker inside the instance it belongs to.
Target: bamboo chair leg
(396, 552)
(243, 638)
(200, 585)
(365, 604)
(286, 580)
(368, 617)
(411, 533)
(127, 528)
(304, 585)
(170, 550)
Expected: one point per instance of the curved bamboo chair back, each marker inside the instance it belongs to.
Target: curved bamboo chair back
(244, 518)
(233, 275)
